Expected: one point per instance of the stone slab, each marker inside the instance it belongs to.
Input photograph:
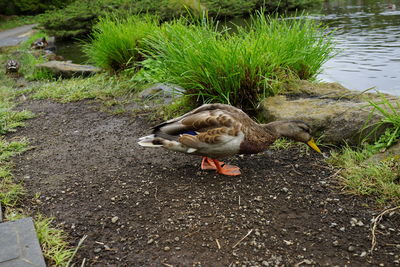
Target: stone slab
(19, 246)
(67, 69)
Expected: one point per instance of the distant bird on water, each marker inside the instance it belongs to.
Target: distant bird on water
(215, 131)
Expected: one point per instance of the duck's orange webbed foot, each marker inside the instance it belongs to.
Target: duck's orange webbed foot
(208, 164)
(226, 169)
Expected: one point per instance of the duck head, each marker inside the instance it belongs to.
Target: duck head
(294, 130)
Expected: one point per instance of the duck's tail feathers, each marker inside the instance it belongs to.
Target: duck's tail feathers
(148, 141)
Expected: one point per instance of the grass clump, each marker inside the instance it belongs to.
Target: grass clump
(239, 68)
(53, 242)
(390, 112)
(10, 192)
(98, 86)
(378, 179)
(15, 21)
(117, 43)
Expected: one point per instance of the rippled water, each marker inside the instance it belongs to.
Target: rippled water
(368, 37)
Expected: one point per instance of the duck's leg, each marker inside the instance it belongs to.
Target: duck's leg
(226, 169)
(208, 164)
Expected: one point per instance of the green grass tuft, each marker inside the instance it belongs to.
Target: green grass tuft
(116, 43)
(16, 21)
(391, 116)
(378, 179)
(52, 240)
(100, 86)
(10, 192)
(238, 68)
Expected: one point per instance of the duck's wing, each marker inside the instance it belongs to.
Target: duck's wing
(203, 118)
(209, 125)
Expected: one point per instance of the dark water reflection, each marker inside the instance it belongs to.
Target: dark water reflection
(368, 37)
(71, 50)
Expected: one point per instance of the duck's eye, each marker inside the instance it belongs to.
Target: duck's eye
(304, 128)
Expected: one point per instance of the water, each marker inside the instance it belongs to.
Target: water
(368, 38)
(71, 50)
(367, 33)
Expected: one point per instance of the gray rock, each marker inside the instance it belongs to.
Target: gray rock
(19, 246)
(161, 90)
(67, 69)
(334, 112)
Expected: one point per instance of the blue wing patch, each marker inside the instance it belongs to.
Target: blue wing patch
(191, 133)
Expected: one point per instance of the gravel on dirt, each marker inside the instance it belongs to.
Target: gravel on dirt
(152, 207)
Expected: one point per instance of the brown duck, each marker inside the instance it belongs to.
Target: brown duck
(215, 131)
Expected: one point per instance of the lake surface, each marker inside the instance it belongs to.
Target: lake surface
(368, 37)
(367, 33)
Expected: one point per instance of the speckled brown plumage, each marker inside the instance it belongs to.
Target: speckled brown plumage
(215, 131)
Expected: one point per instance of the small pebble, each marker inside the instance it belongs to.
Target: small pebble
(335, 243)
(150, 241)
(363, 254)
(351, 248)
(97, 250)
(114, 219)
(167, 248)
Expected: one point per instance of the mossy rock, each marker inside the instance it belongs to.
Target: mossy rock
(335, 113)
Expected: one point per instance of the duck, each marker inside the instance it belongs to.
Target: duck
(40, 43)
(216, 131)
(12, 66)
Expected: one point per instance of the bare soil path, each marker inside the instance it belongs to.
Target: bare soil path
(16, 35)
(151, 207)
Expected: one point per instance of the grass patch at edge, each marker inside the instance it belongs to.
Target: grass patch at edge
(380, 180)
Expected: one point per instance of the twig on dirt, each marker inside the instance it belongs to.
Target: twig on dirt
(76, 249)
(294, 169)
(192, 233)
(155, 194)
(239, 201)
(376, 220)
(168, 265)
(335, 174)
(83, 262)
(394, 245)
(219, 246)
(243, 238)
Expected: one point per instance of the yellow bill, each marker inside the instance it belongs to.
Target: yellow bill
(313, 145)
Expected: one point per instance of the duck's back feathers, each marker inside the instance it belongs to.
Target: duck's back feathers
(213, 129)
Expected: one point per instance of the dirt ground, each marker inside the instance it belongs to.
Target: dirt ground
(152, 207)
